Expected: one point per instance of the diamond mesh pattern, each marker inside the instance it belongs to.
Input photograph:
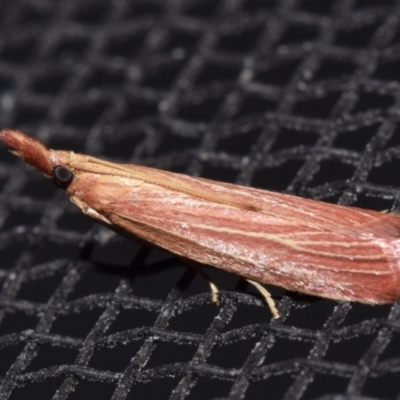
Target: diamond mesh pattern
(301, 96)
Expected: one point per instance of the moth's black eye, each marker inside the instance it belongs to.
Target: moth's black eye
(62, 176)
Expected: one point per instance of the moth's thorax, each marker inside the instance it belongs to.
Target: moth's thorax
(59, 158)
(101, 191)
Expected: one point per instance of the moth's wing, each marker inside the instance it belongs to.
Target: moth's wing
(265, 248)
(321, 215)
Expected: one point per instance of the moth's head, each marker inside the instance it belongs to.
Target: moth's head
(54, 164)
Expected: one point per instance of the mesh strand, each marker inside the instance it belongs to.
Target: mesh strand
(295, 96)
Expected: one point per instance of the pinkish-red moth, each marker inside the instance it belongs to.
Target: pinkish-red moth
(326, 250)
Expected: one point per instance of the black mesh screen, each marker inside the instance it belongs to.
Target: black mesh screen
(299, 96)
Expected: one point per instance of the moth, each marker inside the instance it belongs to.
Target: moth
(303, 245)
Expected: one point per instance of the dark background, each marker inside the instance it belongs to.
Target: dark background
(301, 97)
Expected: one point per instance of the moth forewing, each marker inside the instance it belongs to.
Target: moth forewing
(331, 251)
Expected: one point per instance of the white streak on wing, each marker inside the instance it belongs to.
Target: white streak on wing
(293, 245)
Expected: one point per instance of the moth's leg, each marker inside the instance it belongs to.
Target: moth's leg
(267, 297)
(199, 268)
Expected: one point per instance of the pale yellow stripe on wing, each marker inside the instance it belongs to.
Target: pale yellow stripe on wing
(174, 182)
(293, 244)
(185, 238)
